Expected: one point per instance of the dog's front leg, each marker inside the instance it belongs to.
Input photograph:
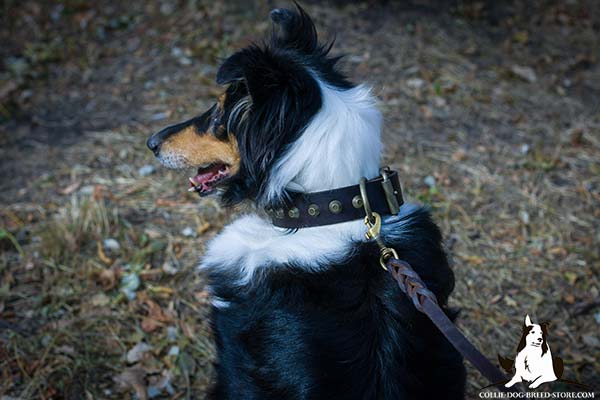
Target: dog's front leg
(515, 379)
(539, 380)
(535, 383)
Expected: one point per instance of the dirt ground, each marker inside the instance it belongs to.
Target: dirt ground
(492, 115)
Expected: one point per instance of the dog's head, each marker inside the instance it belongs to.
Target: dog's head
(272, 92)
(534, 335)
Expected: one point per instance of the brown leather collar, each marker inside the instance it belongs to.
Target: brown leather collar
(304, 210)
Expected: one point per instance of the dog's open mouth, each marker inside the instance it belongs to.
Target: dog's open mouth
(208, 178)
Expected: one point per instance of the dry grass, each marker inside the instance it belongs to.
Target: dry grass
(516, 166)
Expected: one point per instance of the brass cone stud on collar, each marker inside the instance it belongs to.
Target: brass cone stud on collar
(335, 206)
(313, 210)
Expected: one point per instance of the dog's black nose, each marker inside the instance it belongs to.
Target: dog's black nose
(153, 144)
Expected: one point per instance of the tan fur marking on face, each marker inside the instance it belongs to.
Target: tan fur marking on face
(221, 101)
(204, 148)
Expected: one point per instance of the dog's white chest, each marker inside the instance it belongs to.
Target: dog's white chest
(251, 243)
(531, 363)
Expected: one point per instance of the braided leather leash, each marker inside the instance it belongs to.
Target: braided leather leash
(425, 301)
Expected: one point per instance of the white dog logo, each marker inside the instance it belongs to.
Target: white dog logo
(534, 362)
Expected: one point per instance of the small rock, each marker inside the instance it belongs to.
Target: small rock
(110, 245)
(429, 181)
(357, 59)
(137, 352)
(171, 333)
(185, 61)
(147, 170)
(159, 116)
(169, 269)
(64, 349)
(439, 101)
(188, 232)
(167, 8)
(130, 283)
(415, 83)
(87, 190)
(525, 73)
(46, 340)
(153, 392)
(524, 215)
(524, 148)
(174, 351)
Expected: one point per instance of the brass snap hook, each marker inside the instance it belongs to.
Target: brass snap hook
(365, 200)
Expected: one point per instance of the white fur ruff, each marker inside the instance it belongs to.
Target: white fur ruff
(341, 144)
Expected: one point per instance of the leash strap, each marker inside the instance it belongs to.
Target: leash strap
(425, 301)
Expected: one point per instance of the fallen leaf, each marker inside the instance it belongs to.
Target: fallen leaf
(156, 312)
(187, 329)
(69, 350)
(203, 228)
(459, 155)
(525, 73)
(571, 277)
(108, 278)
(137, 352)
(70, 189)
(152, 233)
(496, 299)
(558, 251)
(149, 325)
(569, 298)
(509, 301)
(100, 299)
(521, 37)
(103, 257)
(474, 260)
(133, 378)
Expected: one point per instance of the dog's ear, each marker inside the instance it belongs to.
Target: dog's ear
(545, 326)
(232, 69)
(269, 77)
(528, 320)
(294, 29)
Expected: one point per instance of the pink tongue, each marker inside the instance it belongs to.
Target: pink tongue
(207, 174)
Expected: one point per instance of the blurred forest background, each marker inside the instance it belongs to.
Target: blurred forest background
(492, 115)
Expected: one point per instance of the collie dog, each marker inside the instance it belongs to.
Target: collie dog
(307, 313)
(534, 362)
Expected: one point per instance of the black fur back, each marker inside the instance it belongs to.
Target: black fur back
(344, 333)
